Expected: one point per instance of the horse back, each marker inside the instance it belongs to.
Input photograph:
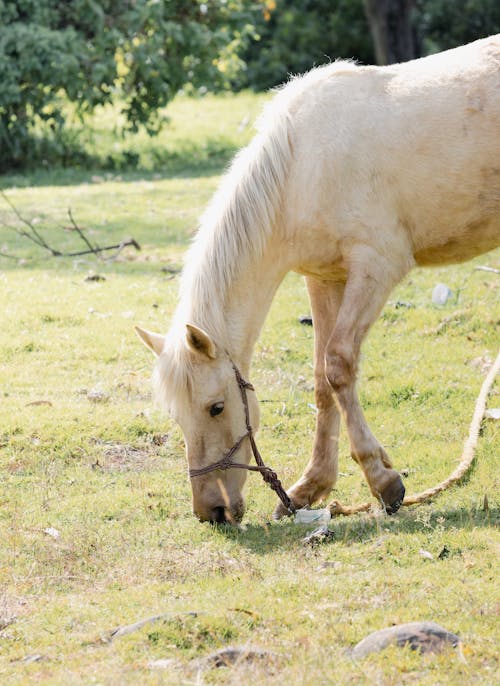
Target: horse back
(408, 153)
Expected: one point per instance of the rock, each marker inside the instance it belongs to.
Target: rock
(426, 637)
(95, 277)
(53, 533)
(29, 659)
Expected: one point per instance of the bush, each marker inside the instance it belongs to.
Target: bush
(295, 35)
(89, 52)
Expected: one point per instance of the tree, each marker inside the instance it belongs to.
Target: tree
(392, 29)
(444, 24)
(92, 51)
(405, 29)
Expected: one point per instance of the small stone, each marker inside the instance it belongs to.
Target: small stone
(426, 637)
(95, 277)
(53, 533)
(29, 659)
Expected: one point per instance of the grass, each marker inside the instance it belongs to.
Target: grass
(84, 451)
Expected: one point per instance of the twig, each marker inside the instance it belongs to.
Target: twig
(487, 269)
(34, 236)
(84, 238)
(97, 251)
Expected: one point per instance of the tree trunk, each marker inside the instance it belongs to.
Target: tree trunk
(392, 30)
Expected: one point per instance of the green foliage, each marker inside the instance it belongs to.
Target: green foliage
(444, 24)
(90, 52)
(297, 35)
(137, 54)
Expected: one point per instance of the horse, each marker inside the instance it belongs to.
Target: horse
(356, 175)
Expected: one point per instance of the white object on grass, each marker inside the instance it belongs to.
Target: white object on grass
(441, 294)
(305, 516)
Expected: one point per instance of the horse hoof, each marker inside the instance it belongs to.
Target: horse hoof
(393, 495)
(280, 511)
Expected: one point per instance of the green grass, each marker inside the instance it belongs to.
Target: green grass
(110, 476)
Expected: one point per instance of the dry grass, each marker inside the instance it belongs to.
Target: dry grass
(109, 476)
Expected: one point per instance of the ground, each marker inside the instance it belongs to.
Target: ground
(96, 530)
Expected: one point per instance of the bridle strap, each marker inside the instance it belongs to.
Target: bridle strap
(268, 474)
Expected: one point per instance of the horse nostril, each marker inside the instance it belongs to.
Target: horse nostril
(219, 515)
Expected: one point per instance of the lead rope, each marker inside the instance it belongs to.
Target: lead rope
(336, 508)
(269, 475)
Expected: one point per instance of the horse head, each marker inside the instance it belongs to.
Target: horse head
(195, 381)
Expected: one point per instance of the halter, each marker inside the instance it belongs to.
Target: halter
(268, 474)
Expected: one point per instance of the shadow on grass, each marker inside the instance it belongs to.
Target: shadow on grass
(210, 159)
(267, 538)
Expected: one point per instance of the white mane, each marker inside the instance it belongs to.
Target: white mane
(235, 227)
(234, 230)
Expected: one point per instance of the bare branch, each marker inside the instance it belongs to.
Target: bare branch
(487, 269)
(79, 231)
(35, 236)
(97, 251)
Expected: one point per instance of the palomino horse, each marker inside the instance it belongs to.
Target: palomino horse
(356, 175)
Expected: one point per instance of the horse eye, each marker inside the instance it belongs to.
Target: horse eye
(216, 409)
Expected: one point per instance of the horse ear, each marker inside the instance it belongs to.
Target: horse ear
(154, 341)
(199, 341)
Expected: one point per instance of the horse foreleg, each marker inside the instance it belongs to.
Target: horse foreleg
(320, 474)
(370, 280)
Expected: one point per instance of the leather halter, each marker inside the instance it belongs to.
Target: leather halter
(268, 474)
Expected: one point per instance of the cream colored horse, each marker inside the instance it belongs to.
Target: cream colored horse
(356, 175)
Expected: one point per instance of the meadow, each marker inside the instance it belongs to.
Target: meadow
(96, 530)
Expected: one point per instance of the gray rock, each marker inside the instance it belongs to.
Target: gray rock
(426, 637)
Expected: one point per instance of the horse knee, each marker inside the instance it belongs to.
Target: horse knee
(323, 393)
(340, 371)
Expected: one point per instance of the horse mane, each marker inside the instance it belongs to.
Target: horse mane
(233, 231)
(246, 208)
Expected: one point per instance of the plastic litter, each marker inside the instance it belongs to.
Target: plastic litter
(320, 518)
(307, 516)
(441, 294)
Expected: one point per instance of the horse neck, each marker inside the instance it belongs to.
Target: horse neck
(248, 303)
(234, 315)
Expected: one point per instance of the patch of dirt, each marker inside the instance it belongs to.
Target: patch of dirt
(122, 457)
(11, 607)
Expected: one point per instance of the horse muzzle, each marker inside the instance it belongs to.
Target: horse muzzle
(221, 513)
